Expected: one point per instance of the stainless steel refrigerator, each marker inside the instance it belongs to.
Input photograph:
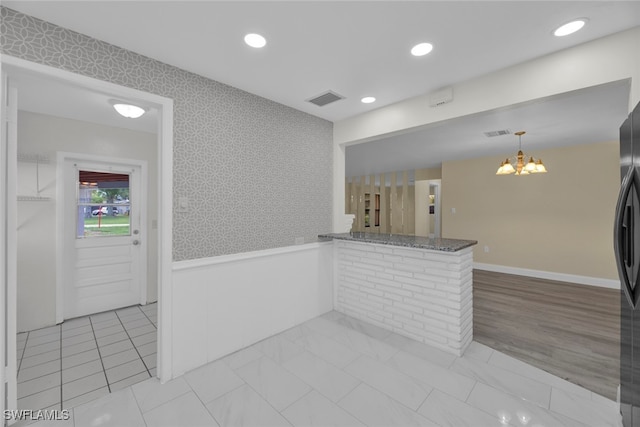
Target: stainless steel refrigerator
(627, 250)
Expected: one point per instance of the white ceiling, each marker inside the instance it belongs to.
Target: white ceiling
(581, 117)
(46, 96)
(356, 48)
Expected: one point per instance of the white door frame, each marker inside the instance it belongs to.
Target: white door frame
(165, 193)
(8, 236)
(61, 254)
(437, 183)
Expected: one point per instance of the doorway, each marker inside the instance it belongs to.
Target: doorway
(427, 208)
(161, 226)
(435, 210)
(104, 237)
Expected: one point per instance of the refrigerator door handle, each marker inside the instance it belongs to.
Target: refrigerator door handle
(623, 236)
(627, 234)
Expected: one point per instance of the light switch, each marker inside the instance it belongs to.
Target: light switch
(453, 210)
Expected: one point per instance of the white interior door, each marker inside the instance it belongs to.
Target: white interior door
(8, 245)
(105, 250)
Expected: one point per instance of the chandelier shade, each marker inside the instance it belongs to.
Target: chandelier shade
(519, 165)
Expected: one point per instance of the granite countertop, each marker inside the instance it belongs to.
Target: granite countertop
(435, 244)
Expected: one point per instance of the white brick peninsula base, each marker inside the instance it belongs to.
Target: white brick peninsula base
(414, 286)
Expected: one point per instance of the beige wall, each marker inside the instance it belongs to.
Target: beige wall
(558, 222)
(423, 227)
(397, 203)
(45, 136)
(425, 174)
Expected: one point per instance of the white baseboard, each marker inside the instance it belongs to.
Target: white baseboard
(549, 275)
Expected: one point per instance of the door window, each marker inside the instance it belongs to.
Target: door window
(103, 205)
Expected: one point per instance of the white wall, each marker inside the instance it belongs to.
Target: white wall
(600, 61)
(223, 304)
(36, 248)
(45, 135)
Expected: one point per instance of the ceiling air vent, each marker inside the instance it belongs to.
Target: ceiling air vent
(497, 133)
(325, 98)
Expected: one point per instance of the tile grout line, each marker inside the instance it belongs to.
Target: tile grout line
(476, 382)
(423, 401)
(361, 381)
(145, 315)
(60, 338)
(100, 355)
(484, 409)
(24, 349)
(134, 344)
(32, 379)
(402, 374)
(300, 398)
(312, 388)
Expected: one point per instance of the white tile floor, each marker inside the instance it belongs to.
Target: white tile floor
(69, 364)
(335, 370)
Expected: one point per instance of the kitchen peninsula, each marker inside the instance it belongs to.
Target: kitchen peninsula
(416, 286)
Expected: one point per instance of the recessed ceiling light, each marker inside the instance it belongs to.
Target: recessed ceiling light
(255, 40)
(570, 27)
(421, 49)
(128, 110)
(368, 99)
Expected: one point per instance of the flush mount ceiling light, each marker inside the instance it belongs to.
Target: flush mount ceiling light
(255, 40)
(570, 27)
(421, 49)
(129, 111)
(533, 166)
(368, 100)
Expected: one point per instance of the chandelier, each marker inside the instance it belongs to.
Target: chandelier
(519, 167)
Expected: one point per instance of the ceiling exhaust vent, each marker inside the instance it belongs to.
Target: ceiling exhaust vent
(325, 98)
(497, 133)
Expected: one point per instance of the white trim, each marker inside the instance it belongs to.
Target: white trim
(9, 239)
(165, 241)
(549, 275)
(223, 259)
(338, 223)
(3, 237)
(165, 189)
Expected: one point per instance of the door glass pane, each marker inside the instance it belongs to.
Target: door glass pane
(103, 205)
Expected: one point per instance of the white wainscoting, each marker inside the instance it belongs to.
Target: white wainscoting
(223, 304)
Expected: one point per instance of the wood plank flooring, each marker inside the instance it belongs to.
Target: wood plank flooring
(569, 330)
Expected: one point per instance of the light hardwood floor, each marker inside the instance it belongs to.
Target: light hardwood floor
(569, 330)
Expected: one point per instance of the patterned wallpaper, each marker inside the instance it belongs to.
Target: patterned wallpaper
(257, 173)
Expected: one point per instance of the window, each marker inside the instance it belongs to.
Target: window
(103, 206)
